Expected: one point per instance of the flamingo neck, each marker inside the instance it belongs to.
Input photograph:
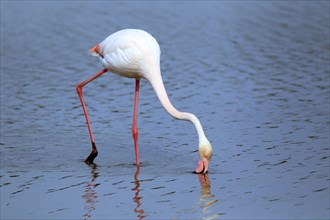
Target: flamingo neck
(158, 85)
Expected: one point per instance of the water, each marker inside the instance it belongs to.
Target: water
(255, 73)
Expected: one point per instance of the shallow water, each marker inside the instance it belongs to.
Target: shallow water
(255, 73)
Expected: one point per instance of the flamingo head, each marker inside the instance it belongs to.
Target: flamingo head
(205, 154)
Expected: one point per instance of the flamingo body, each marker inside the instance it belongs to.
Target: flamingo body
(135, 54)
(130, 53)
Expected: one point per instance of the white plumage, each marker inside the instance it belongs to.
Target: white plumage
(127, 52)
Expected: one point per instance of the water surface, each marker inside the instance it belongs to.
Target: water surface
(255, 73)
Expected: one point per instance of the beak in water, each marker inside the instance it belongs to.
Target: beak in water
(203, 166)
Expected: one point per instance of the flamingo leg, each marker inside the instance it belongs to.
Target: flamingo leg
(94, 152)
(134, 127)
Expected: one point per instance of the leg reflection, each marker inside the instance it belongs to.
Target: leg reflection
(90, 194)
(137, 198)
(206, 199)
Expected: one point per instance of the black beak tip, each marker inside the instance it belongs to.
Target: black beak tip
(199, 172)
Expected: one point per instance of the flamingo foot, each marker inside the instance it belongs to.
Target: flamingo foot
(92, 155)
(203, 166)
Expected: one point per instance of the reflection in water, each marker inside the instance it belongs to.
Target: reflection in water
(206, 199)
(137, 198)
(90, 194)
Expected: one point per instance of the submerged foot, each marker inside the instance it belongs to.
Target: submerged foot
(93, 154)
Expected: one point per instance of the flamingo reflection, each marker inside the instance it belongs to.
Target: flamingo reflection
(137, 198)
(206, 199)
(90, 194)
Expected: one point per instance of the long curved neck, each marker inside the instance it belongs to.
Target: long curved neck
(158, 85)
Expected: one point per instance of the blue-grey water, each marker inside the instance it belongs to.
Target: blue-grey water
(256, 73)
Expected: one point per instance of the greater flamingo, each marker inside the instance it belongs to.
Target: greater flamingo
(135, 54)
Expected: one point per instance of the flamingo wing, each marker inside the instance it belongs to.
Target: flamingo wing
(125, 62)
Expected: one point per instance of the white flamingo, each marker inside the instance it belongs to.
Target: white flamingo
(135, 54)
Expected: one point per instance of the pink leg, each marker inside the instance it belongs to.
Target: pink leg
(94, 153)
(134, 128)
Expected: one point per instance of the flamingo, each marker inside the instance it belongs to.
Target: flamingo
(135, 53)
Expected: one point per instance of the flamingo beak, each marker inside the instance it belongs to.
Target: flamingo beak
(95, 49)
(203, 166)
